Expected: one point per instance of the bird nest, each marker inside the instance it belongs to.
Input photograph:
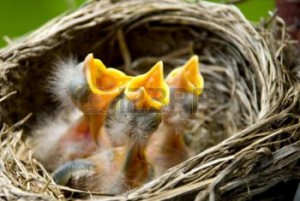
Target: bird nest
(248, 139)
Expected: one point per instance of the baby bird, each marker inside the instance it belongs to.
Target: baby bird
(167, 147)
(91, 87)
(135, 117)
(131, 120)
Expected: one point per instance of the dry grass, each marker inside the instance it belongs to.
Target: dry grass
(248, 138)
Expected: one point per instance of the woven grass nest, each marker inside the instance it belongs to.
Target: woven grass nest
(248, 141)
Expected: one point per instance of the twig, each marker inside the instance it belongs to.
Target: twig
(7, 96)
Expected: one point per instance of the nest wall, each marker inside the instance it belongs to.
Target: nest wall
(248, 110)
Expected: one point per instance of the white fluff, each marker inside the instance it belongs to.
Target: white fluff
(47, 132)
(59, 81)
(124, 127)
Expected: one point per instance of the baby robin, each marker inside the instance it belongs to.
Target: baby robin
(167, 147)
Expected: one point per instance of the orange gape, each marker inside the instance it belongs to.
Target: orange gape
(167, 147)
(149, 90)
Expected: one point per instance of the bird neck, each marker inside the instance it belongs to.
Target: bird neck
(134, 153)
(135, 166)
(170, 136)
(96, 121)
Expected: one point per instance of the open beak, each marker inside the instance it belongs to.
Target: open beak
(187, 77)
(105, 84)
(149, 90)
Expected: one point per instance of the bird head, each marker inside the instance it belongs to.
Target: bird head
(186, 84)
(78, 168)
(104, 83)
(187, 77)
(94, 86)
(138, 112)
(148, 91)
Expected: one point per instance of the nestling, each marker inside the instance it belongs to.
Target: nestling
(167, 147)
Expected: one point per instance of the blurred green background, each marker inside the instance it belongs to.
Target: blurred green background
(18, 17)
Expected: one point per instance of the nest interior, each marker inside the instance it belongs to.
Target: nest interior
(248, 103)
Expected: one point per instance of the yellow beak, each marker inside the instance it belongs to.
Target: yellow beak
(149, 90)
(105, 83)
(187, 77)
